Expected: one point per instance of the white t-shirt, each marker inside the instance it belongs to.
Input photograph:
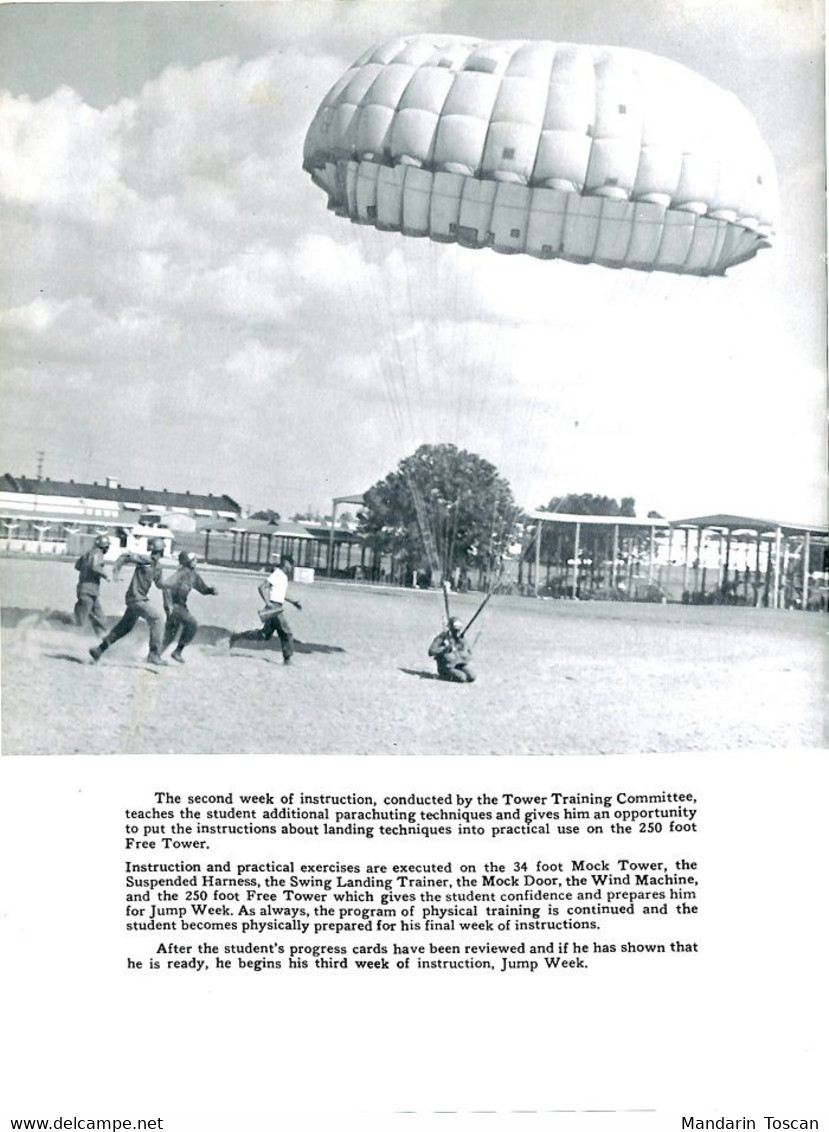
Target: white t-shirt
(278, 582)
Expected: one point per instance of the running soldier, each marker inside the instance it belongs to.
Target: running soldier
(274, 592)
(176, 590)
(91, 572)
(147, 573)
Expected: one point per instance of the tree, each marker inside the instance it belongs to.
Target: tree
(268, 515)
(596, 547)
(441, 509)
(592, 505)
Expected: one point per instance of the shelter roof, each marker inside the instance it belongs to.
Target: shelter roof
(746, 523)
(598, 520)
(285, 528)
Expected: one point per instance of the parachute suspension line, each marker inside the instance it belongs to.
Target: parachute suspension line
(427, 533)
(496, 583)
(493, 378)
(470, 317)
(450, 554)
(437, 314)
(427, 527)
(416, 326)
(388, 303)
(375, 318)
(388, 356)
(437, 528)
(370, 320)
(390, 362)
(454, 307)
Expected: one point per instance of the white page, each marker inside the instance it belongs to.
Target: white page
(179, 308)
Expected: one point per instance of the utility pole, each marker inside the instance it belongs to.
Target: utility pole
(40, 456)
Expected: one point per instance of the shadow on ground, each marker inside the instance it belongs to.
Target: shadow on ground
(421, 673)
(273, 645)
(13, 617)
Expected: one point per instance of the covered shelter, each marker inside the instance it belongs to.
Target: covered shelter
(625, 550)
(762, 562)
(257, 542)
(357, 500)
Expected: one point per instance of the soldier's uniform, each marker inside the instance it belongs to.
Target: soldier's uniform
(91, 571)
(176, 590)
(147, 574)
(452, 655)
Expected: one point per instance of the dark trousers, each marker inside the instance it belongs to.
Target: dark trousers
(274, 621)
(137, 611)
(460, 674)
(181, 618)
(88, 608)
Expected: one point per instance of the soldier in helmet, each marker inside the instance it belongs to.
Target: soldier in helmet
(91, 572)
(147, 573)
(452, 655)
(176, 590)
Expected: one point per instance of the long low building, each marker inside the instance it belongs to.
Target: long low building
(52, 516)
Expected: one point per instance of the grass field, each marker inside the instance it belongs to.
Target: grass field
(554, 677)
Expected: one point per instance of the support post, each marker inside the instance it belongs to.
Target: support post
(334, 506)
(538, 529)
(807, 548)
(576, 562)
(727, 566)
(775, 593)
(615, 555)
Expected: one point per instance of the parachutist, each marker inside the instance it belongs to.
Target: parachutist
(147, 573)
(452, 654)
(176, 590)
(274, 592)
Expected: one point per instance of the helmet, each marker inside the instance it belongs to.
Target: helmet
(156, 546)
(102, 542)
(455, 624)
(187, 558)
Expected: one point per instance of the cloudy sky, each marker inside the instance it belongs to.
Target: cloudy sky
(178, 309)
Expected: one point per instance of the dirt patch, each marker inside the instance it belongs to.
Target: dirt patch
(554, 677)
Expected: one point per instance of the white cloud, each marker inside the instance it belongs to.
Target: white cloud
(169, 251)
(256, 365)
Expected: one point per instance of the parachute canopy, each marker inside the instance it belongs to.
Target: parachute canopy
(590, 154)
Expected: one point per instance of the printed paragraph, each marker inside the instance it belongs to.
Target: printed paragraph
(221, 883)
(188, 822)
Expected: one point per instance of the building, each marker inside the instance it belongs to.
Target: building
(708, 559)
(46, 516)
